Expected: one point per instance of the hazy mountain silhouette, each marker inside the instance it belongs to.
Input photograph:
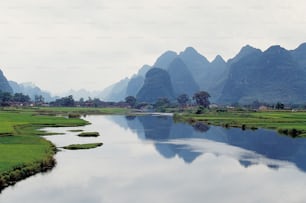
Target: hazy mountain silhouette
(157, 84)
(189, 72)
(82, 93)
(115, 92)
(245, 51)
(137, 81)
(275, 75)
(4, 84)
(134, 85)
(165, 59)
(299, 55)
(270, 76)
(31, 90)
(197, 64)
(181, 78)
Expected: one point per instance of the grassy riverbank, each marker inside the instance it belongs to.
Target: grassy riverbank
(81, 110)
(285, 122)
(22, 151)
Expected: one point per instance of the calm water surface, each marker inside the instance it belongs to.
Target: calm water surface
(153, 159)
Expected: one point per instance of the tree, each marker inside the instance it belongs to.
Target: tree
(96, 102)
(68, 101)
(19, 97)
(279, 105)
(5, 98)
(183, 100)
(131, 100)
(202, 99)
(64, 101)
(39, 99)
(256, 104)
(161, 104)
(81, 101)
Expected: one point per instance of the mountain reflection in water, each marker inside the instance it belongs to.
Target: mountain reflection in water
(189, 142)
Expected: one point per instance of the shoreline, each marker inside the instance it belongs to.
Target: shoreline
(26, 140)
(31, 130)
(286, 123)
(24, 171)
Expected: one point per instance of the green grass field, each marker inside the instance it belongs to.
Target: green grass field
(81, 110)
(286, 122)
(22, 151)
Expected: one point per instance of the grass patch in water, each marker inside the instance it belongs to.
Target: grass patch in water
(89, 134)
(83, 146)
(75, 131)
(22, 151)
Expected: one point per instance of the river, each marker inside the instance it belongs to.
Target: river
(153, 159)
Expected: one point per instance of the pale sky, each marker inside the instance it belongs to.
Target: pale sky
(74, 44)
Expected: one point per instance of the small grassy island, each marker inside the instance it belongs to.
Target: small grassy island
(89, 134)
(74, 131)
(83, 146)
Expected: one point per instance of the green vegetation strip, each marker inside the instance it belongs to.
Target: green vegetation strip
(83, 146)
(285, 122)
(89, 134)
(77, 111)
(77, 130)
(22, 151)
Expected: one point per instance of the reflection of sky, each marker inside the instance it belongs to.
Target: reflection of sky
(129, 169)
(264, 144)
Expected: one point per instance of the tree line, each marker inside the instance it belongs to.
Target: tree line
(7, 99)
(200, 99)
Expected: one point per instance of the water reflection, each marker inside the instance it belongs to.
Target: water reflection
(151, 159)
(259, 147)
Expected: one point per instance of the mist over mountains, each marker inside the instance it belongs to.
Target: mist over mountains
(31, 90)
(273, 75)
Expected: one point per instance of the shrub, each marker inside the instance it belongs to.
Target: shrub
(243, 127)
(74, 115)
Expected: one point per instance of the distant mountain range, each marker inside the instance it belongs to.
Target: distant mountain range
(273, 75)
(26, 88)
(4, 84)
(31, 90)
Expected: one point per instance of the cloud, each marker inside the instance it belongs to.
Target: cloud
(87, 39)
